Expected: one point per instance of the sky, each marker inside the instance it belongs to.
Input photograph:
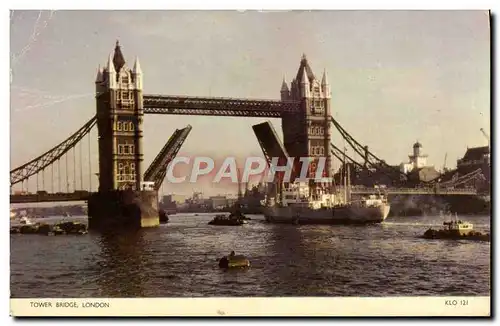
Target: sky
(396, 77)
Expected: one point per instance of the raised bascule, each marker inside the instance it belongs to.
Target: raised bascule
(128, 193)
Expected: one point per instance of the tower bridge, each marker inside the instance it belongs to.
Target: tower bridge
(304, 109)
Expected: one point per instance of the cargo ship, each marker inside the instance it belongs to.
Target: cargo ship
(326, 209)
(301, 204)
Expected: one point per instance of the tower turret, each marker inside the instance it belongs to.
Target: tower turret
(285, 92)
(325, 85)
(137, 73)
(111, 71)
(99, 77)
(118, 59)
(305, 86)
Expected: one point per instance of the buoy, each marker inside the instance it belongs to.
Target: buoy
(234, 261)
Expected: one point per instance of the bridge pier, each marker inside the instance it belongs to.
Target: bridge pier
(123, 209)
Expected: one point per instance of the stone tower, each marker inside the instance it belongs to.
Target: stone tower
(120, 123)
(307, 133)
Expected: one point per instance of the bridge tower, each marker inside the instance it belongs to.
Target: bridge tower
(308, 133)
(120, 201)
(120, 123)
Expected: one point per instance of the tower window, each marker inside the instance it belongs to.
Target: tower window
(125, 95)
(119, 126)
(132, 149)
(125, 149)
(125, 80)
(131, 126)
(125, 126)
(120, 168)
(132, 168)
(120, 149)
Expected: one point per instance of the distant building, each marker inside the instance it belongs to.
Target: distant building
(218, 202)
(416, 161)
(173, 198)
(476, 158)
(426, 174)
(417, 168)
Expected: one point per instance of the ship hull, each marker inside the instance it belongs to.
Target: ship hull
(338, 215)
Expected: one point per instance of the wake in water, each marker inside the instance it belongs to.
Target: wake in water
(411, 223)
(427, 224)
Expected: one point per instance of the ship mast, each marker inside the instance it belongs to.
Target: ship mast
(348, 190)
(240, 195)
(345, 177)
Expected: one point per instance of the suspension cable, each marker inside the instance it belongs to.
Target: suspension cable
(81, 167)
(59, 175)
(52, 168)
(66, 170)
(36, 165)
(90, 165)
(74, 170)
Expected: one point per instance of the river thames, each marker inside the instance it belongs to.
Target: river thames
(179, 259)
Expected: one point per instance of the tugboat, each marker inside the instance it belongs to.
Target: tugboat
(456, 230)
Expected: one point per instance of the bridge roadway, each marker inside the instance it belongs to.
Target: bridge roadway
(360, 190)
(49, 197)
(215, 106)
(356, 190)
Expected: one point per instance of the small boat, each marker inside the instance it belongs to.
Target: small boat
(238, 215)
(226, 220)
(71, 228)
(455, 229)
(234, 261)
(163, 216)
(26, 220)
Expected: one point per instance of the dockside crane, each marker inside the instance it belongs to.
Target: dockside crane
(486, 136)
(444, 164)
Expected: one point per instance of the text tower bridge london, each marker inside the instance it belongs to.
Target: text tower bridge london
(304, 107)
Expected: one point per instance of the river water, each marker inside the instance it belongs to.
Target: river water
(179, 259)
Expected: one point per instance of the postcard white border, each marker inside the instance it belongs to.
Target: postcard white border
(298, 303)
(261, 307)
